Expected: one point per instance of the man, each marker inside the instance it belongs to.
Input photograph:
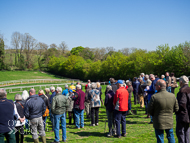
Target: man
(152, 90)
(113, 85)
(143, 77)
(89, 82)
(168, 82)
(6, 127)
(135, 85)
(161, 107)
(34, 109)
(66, 91)
(78, 83)
(121, 107)
(79, 107)
(52, 89)
(58, 108)
(182, 116)
(87, 101)
(72, 87)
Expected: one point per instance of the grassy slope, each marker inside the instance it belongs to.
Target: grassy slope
(18, 75)
(138, 129)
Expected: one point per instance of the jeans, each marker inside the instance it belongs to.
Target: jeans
(160, 135)
(96, 112)
(168, 88)
(129, 104)
(44, 120)
(20, 133)
(136, 98)
(57, 119)
(182, 132)
(27, 124)
(151, 119)
(120, 116)
(111, 122)
(10, 137)
(51, 118)
(79, 117)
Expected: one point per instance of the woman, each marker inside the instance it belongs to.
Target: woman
(25, 95)
(109, 110)
(70, 107)
(94, 97)
(100, 89)
(163, 77)
(130, 90)
(173, 83)
(45, 98)
(19, 104)
(47, 91)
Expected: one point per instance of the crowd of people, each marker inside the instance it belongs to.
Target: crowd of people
(155, 95)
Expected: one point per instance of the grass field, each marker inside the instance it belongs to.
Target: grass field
(137, 127)
(18, 75)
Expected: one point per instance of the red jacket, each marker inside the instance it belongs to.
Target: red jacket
(123, 96)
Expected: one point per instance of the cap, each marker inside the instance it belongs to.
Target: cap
(119, 81)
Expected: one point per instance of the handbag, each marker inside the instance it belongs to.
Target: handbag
(46, 112)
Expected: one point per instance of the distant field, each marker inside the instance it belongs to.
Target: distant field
(18, 75)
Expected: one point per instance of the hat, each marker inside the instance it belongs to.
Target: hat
(71, 83)
(119, 81)
(184, 79)
(70, 90)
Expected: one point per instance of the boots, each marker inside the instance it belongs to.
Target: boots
(36, 140)
(69, 120)
(43, 139)
(130, 113)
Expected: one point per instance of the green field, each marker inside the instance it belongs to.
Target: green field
(137, 127)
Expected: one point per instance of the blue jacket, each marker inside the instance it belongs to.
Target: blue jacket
(7, 115)
(51, 98)
(152, 89)
(135, 85)
(66, 92)
(34, 107)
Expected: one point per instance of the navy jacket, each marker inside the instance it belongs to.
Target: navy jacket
(51, 98)
(109, 101)
(34, 107)
(135, 86)
(7, 115)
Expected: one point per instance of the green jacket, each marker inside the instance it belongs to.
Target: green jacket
(59, 104)
(161, 107)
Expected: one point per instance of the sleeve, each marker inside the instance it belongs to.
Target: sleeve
(151, 106)
(106, 100)
(176, 106)
(115, 98)
(26, 110)
(53, 105)
(43, 107)
(16, 112)
(182, 102)
(67, 103)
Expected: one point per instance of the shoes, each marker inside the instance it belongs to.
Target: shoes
(64, 141)
(109, 135)
(52, 131)
(92, 124)
(124, 135)
(82, 127)
(150, 123)
(55, 142)
(117, 136)
(96, 124)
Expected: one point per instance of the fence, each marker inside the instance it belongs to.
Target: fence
(28, 81)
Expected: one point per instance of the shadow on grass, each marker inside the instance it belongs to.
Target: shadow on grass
(84, 134)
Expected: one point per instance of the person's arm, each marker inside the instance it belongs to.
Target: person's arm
(26, 111)
(53, 105)
(182, 102)
(106, 100)
(115, 98)
(176, 106)
(151, 106)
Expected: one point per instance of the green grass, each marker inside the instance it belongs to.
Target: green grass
(18, 75)
(137, 128)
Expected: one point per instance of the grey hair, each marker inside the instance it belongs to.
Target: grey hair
(52, 88)
(151, 75)
(129, 83)
(18, 97)
(78, 86)
(163, 76)
(3, 93)
(66, 86)
(93, 85)
(161, 83)
(142, 74)
(59, 89)
(108, 88)
(25, 95)
(184, 79)
(147, 76)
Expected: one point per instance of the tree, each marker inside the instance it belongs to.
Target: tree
(87, 53)
(2, 52)
(63, 47)
(77, 50)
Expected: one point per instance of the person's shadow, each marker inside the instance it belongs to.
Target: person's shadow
(87, 134)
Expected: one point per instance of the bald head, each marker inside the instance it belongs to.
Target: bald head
(160, 84)
(32, 91)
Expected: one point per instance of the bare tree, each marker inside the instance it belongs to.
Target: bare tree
(63, 47)
(99, 53)
(15, 41)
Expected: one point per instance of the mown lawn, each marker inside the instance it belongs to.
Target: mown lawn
(137, 127)
(18, 75)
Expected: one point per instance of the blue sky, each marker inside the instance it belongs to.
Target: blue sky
(143, 24)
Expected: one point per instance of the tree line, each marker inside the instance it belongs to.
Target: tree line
(85, 63)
